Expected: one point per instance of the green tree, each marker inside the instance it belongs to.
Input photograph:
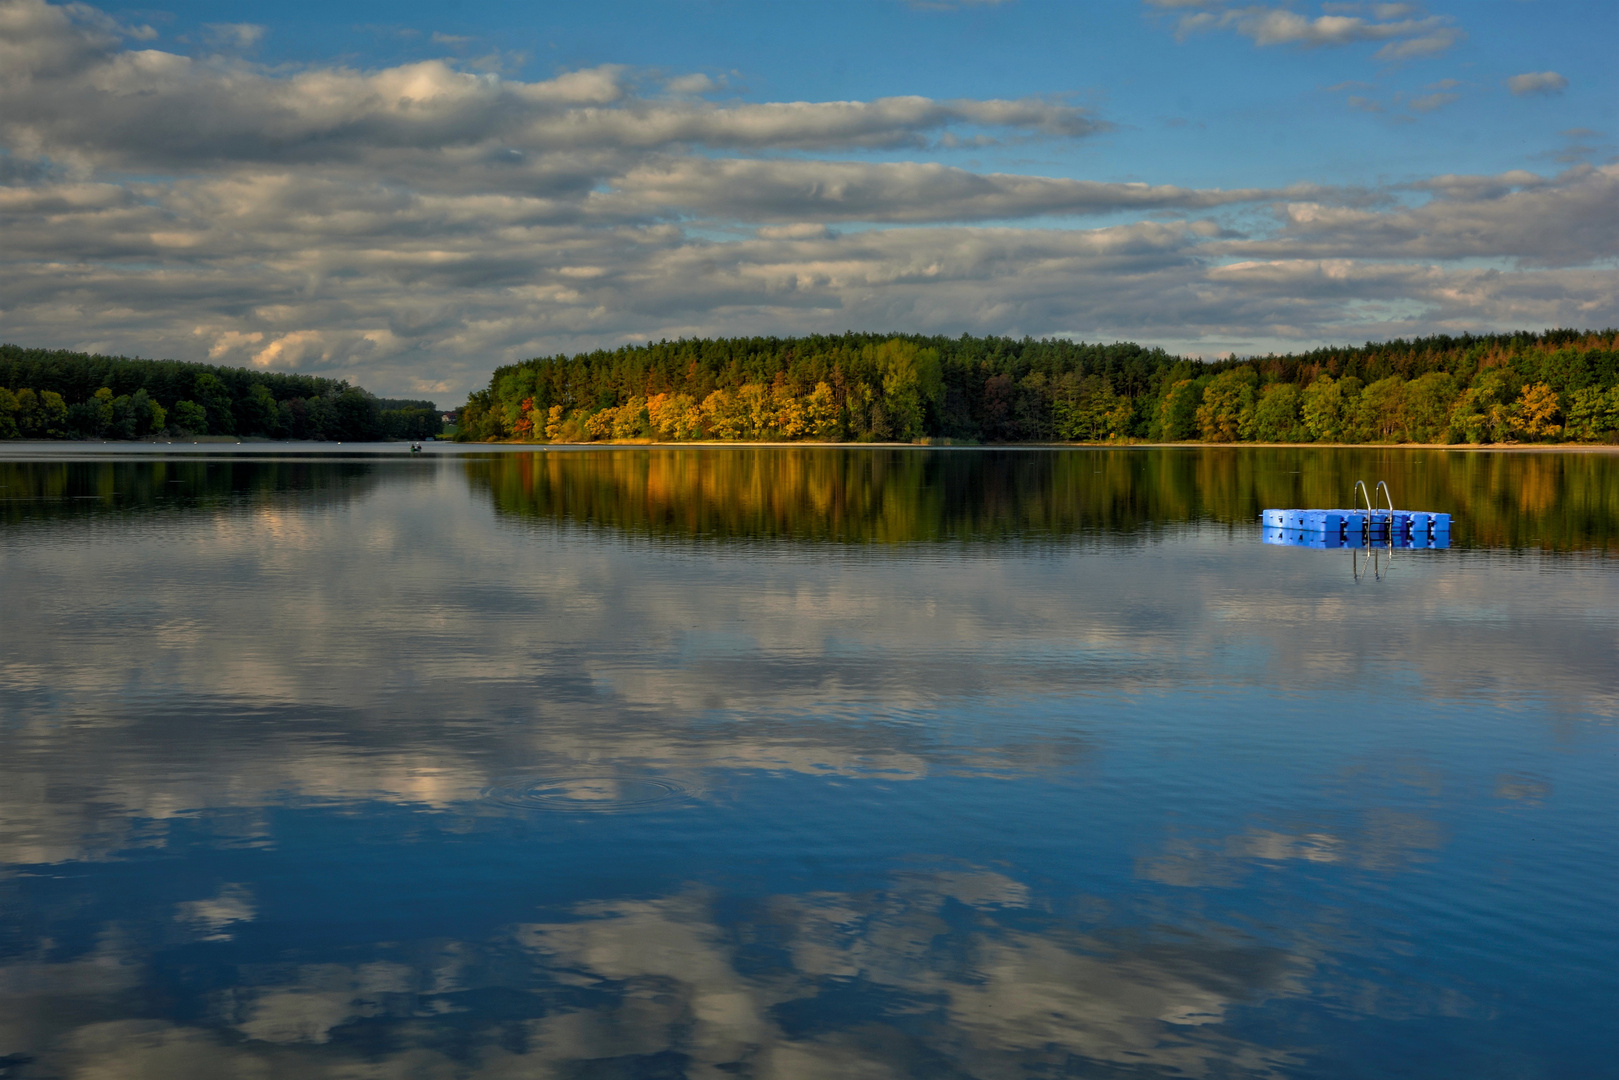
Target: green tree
(155, 415)
(214, 397)
(1428, 401)
(324, 422)
(1227, 411)
(479, 420)
(1328, 406)
(84, 419)
(419, 423)
(102, 400)
(1483, 412)
(8, 414)
(93, 417)
(188, 418)
(1086, 409)
(1276, 415)
(126, 421)
(1177, 414)
(292, 418)
(256, 412)
(30, 420)
(1379, 414)
(356, 415)
(912, 382)
(1593, 414)
(41, 415)
(53, 411)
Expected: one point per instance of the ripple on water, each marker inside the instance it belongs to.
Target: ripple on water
(602, 794)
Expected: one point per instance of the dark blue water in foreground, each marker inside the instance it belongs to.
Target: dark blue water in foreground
(804, 764)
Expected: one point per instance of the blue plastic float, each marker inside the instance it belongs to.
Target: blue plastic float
(1365, 527)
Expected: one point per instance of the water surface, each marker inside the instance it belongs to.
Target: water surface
(798, 763)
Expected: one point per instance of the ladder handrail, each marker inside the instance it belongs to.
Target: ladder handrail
(1369, 531)
(1370, 569)
(1384, 488)
(1361, 492)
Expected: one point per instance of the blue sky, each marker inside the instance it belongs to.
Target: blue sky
(1203, 109)
(410, 194)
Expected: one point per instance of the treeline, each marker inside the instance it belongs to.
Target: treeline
(1541, 387)
(54, 394)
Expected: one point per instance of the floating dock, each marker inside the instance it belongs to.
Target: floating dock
(1357, 528)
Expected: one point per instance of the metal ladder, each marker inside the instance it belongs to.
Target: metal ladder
(1368, 532)
(1361, 493)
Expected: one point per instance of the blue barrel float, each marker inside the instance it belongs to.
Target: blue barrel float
(1357, 528)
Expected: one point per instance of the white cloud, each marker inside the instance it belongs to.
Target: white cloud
(1537, 82)
(366, 284)
(754, 190)
(691, 84)
(1518, 216)
(1430, 102)
(1401, 105)
(1405, 33)
(229, 341)
(241, 36)
(418, 225)
(70, 91)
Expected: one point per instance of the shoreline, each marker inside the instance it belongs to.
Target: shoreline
(15, 449)
(1597, 448)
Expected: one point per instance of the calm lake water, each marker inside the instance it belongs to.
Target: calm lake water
(800, 763)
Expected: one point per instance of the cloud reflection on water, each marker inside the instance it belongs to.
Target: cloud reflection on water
(1180, 715)
(368, 652)
(926, 971)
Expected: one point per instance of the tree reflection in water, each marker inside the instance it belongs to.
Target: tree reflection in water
(899, 496)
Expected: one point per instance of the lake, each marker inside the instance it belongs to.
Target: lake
(796, 763)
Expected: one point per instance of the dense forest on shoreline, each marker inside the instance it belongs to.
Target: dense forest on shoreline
(55, 394)
(1553, 386)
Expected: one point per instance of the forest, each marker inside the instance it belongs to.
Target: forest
(1551, 386)
(55, 394)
